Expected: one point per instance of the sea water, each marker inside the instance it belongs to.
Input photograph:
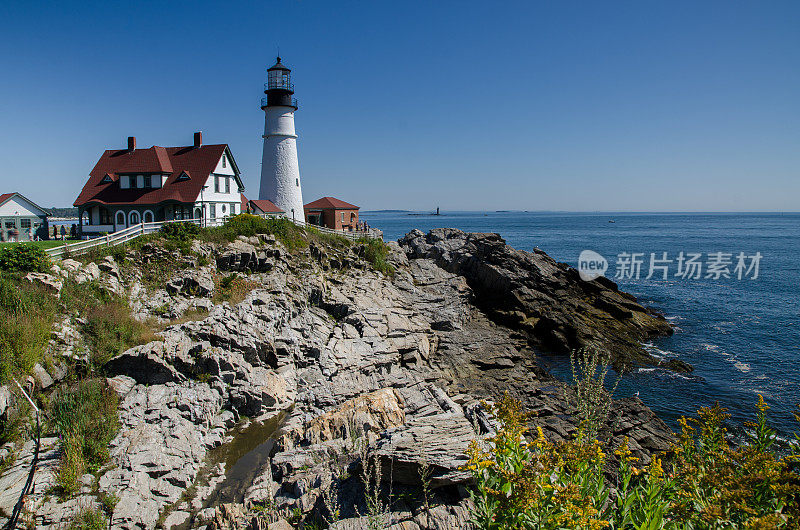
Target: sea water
(741, 335)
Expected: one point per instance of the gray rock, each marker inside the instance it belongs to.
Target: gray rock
(43, 379)
(48, 281)
(110, 267)
(144, 365)
(194, 283)
(5, 399)
(87, 273)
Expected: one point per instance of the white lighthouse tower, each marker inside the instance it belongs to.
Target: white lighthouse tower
(280, 172)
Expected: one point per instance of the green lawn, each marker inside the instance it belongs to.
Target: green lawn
(42, 244)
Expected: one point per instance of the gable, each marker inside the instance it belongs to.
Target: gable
(16, 204)
(226, 165)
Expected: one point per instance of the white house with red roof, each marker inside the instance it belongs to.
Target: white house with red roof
(21, 219)
(130, 186)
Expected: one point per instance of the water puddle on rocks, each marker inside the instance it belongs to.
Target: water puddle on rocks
(244, 457)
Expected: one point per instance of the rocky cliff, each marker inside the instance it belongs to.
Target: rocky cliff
(359, 369)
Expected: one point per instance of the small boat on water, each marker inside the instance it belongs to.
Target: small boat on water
(611, 221)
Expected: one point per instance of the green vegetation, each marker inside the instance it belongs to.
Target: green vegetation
(41, 244)
(292, 236)
(85, 418)
(111, 329)
(24, 257)
(88, 519)
(706, 484)
(592, 400)
(27, 312)
(326, 238)
(179, 236)
(376, 252)
(232, 288)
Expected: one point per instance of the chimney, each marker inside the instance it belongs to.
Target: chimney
(198, 139)
(131, 143)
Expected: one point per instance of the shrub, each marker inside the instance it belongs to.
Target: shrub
(85, 418)
(292, 236)
(546, 485)
(376, 252)
(88, 519)
(180, 231)
(592, 400)
(24, 258)
(233, 289)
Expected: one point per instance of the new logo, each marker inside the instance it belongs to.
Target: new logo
(591, 265)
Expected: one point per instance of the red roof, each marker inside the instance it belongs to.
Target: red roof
(197, 162)
(330, 203)
(5, 196)
(266, 206)
(244, 200)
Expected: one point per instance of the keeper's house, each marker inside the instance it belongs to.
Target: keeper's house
(130, 186)
(20, 215)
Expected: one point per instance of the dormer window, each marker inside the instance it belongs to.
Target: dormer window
(106, 179)
(183, 176)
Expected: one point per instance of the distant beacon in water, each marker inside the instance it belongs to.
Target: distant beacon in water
(280, 171)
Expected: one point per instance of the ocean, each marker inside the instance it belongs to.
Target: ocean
(741, 335)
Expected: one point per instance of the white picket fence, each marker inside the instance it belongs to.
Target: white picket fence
(123, 236)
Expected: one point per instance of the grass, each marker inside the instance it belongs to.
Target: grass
(27, 313)
(376, 252)
(292, 237)
(232, 288)
(88, 519)
(41, 244)
(85, 418)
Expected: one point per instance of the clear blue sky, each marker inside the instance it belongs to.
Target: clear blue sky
(543, 105)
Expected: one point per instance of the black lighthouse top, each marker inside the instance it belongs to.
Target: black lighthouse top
(278, 88)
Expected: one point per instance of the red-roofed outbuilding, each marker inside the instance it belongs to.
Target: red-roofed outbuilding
(332, 213)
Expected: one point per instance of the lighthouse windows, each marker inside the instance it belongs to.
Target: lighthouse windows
(297, 182)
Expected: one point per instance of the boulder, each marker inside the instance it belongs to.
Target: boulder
(87, 273)
(440, 441)
(48, 281)
(371, 413)
(5, 399)
(144, 365)
(71, 266)
(43, 379)
(110, 267)
(197, 283)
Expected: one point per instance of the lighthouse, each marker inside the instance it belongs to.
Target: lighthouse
(280, 171)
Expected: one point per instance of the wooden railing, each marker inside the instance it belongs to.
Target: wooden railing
(123, 236)
(353, 235)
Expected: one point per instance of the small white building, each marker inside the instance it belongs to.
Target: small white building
(21, 218)
(130, 186)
